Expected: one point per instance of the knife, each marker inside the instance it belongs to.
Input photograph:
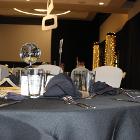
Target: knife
(7, 104)
(84, 105)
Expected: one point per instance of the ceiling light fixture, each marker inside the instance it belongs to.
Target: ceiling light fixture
(59, 14)
(27, 0)
(101, 3)
(28, 13)
(36, 14)
(41, 10)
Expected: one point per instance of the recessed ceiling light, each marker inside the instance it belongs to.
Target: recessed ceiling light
(27, 0)
(101, 3)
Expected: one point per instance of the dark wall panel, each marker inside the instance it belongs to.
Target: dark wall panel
(78, 41)
(128, 42)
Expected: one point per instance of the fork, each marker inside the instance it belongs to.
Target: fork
(70, 100)
(129, 95)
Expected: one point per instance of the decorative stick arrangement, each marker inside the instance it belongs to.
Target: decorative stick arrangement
(110, 53)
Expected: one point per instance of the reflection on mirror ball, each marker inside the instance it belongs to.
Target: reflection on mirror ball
(30, 53)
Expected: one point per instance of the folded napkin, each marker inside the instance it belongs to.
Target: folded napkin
(14, 96)
(60, 86)
(102, 88)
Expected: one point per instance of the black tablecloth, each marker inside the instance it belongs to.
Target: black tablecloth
(51, 119)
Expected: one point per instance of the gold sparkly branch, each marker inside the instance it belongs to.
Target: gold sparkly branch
(95, 55)
(110, 54)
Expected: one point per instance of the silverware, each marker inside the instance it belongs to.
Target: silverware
(10, 103)
(91, 96)
(127, 100)
(129, 92)
(70, 100)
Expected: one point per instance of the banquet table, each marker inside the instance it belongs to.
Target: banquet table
(52, 119)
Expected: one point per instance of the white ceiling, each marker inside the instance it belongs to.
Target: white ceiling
(80, 9)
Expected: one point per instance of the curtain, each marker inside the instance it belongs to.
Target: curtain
(128, 43)
(78, 41)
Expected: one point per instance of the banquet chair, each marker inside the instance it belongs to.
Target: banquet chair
(16, 71)
(4, 72)
(110, 75)
(52, 69)
(79, 69)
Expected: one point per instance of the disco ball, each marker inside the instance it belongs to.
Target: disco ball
(30, 53)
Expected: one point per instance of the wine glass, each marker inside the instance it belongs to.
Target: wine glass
(30, 53)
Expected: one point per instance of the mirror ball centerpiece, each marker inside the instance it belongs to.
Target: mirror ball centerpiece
(31, 78)
(30, 53)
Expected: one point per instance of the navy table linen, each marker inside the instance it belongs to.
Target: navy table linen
(52, 119)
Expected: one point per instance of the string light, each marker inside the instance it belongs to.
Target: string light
(110, 54)
(96, 55)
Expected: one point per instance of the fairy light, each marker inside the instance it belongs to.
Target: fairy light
(110, 54)
(95, 55)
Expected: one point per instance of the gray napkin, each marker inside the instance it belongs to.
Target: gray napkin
(14, 96)
(103, 88)
(60, 86)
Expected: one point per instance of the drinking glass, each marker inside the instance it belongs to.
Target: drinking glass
(80, 80)
(35, 82)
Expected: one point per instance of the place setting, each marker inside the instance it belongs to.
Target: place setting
(28, 83)
(60, 87)
(34, 83)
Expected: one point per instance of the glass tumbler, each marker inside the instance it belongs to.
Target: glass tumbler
(35, 78)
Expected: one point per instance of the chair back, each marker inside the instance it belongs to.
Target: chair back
(110, 75)
(78, 70)
(4, 72)
(52, 69)
(16, 71)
